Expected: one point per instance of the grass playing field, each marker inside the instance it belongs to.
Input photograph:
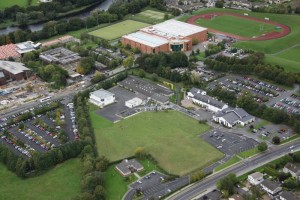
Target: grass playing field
(22, 3)
(171, 137)
(61, 182)
(117, 30)
(149, 16)
(270, 47)
(237, 26)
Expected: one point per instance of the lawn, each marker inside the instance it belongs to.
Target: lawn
(237, 26)
(22, 3)
(119, 29)
(62, 182)
(230, 162)
(248, 153)
(270, 47)
(171, 137)
(149, 16)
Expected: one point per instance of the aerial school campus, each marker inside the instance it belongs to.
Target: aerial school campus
(156, 145)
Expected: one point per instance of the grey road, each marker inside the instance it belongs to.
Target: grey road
(247, 165)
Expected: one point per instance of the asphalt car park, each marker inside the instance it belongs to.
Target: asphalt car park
(39, 133)
(289, 104)
(111, 112)
(229, 143)
(261, 91)
(154, 184)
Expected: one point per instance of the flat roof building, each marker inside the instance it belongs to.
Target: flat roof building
(127, 167)
(133, 102)
(168, 36)
(156, 92)
(26, 47)
(14, 70)
(60, 55)
(102, 98)
(7, 51)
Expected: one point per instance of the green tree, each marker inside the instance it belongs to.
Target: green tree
(262, 146)
(227, 184)
(142, 73)
(276, 140)
(128, 62)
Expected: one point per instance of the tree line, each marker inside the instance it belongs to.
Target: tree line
(42, 11)
(116, 12)
(253, 64)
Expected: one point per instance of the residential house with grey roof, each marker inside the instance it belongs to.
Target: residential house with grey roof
(201, 98)
(230, 117)
(255, 178)
(287, 195)
(293, 169)
(271, 187)
(127, 167)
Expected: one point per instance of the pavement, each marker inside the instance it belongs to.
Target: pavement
(247, 165)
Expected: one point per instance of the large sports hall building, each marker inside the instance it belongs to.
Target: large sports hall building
(171, 35)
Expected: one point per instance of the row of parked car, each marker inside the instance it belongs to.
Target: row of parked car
(73, 118)
(282, 106)
(17, 147)
(264, 84)
(38, 139)
(291, 102)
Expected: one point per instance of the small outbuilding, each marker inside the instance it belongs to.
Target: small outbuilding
(133, 102)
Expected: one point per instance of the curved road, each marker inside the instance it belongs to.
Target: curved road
(209, 183)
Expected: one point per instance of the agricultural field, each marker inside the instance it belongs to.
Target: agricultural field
(157, 132)
(270, 47)
(61, 182)
(237, 26)
(117, 30)
(22, 3)
(149, 16)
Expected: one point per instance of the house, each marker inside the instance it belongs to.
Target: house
(14, 70)
(256, 178)
(211, 3)
(26, 47)
(133, 102)
(243, 3)
(287, 195)
(201, 98)
(102, 98)
(127, 167)
(293, 169)
(232, 116)
(8, 51)
(271, 187)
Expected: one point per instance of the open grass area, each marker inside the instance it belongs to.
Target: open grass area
(236, 25)
(21, 3)
(149, 16)
(248, 153)
(61, 182)
(270, 47)
(172, 133)
(230, 162)
(119, 29)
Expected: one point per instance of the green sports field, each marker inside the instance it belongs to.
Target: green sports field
(270, 47)
(237, 26)
(62, 182)
(117, 30)
(171, 137)
(22, 3)
(149, 16)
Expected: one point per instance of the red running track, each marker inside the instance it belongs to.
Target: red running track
(285, 30)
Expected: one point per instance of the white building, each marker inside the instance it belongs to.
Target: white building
(256, 178)
(271, 187)
(133, 102)
(199, 97)
(26, 47)
(102, 98)
(232, 116)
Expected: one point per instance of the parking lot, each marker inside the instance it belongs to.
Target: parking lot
(229, 143)
(154, 184)
(261, 91)
(39, 132)
(289, 104)
(268, 131)
(113, 112)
